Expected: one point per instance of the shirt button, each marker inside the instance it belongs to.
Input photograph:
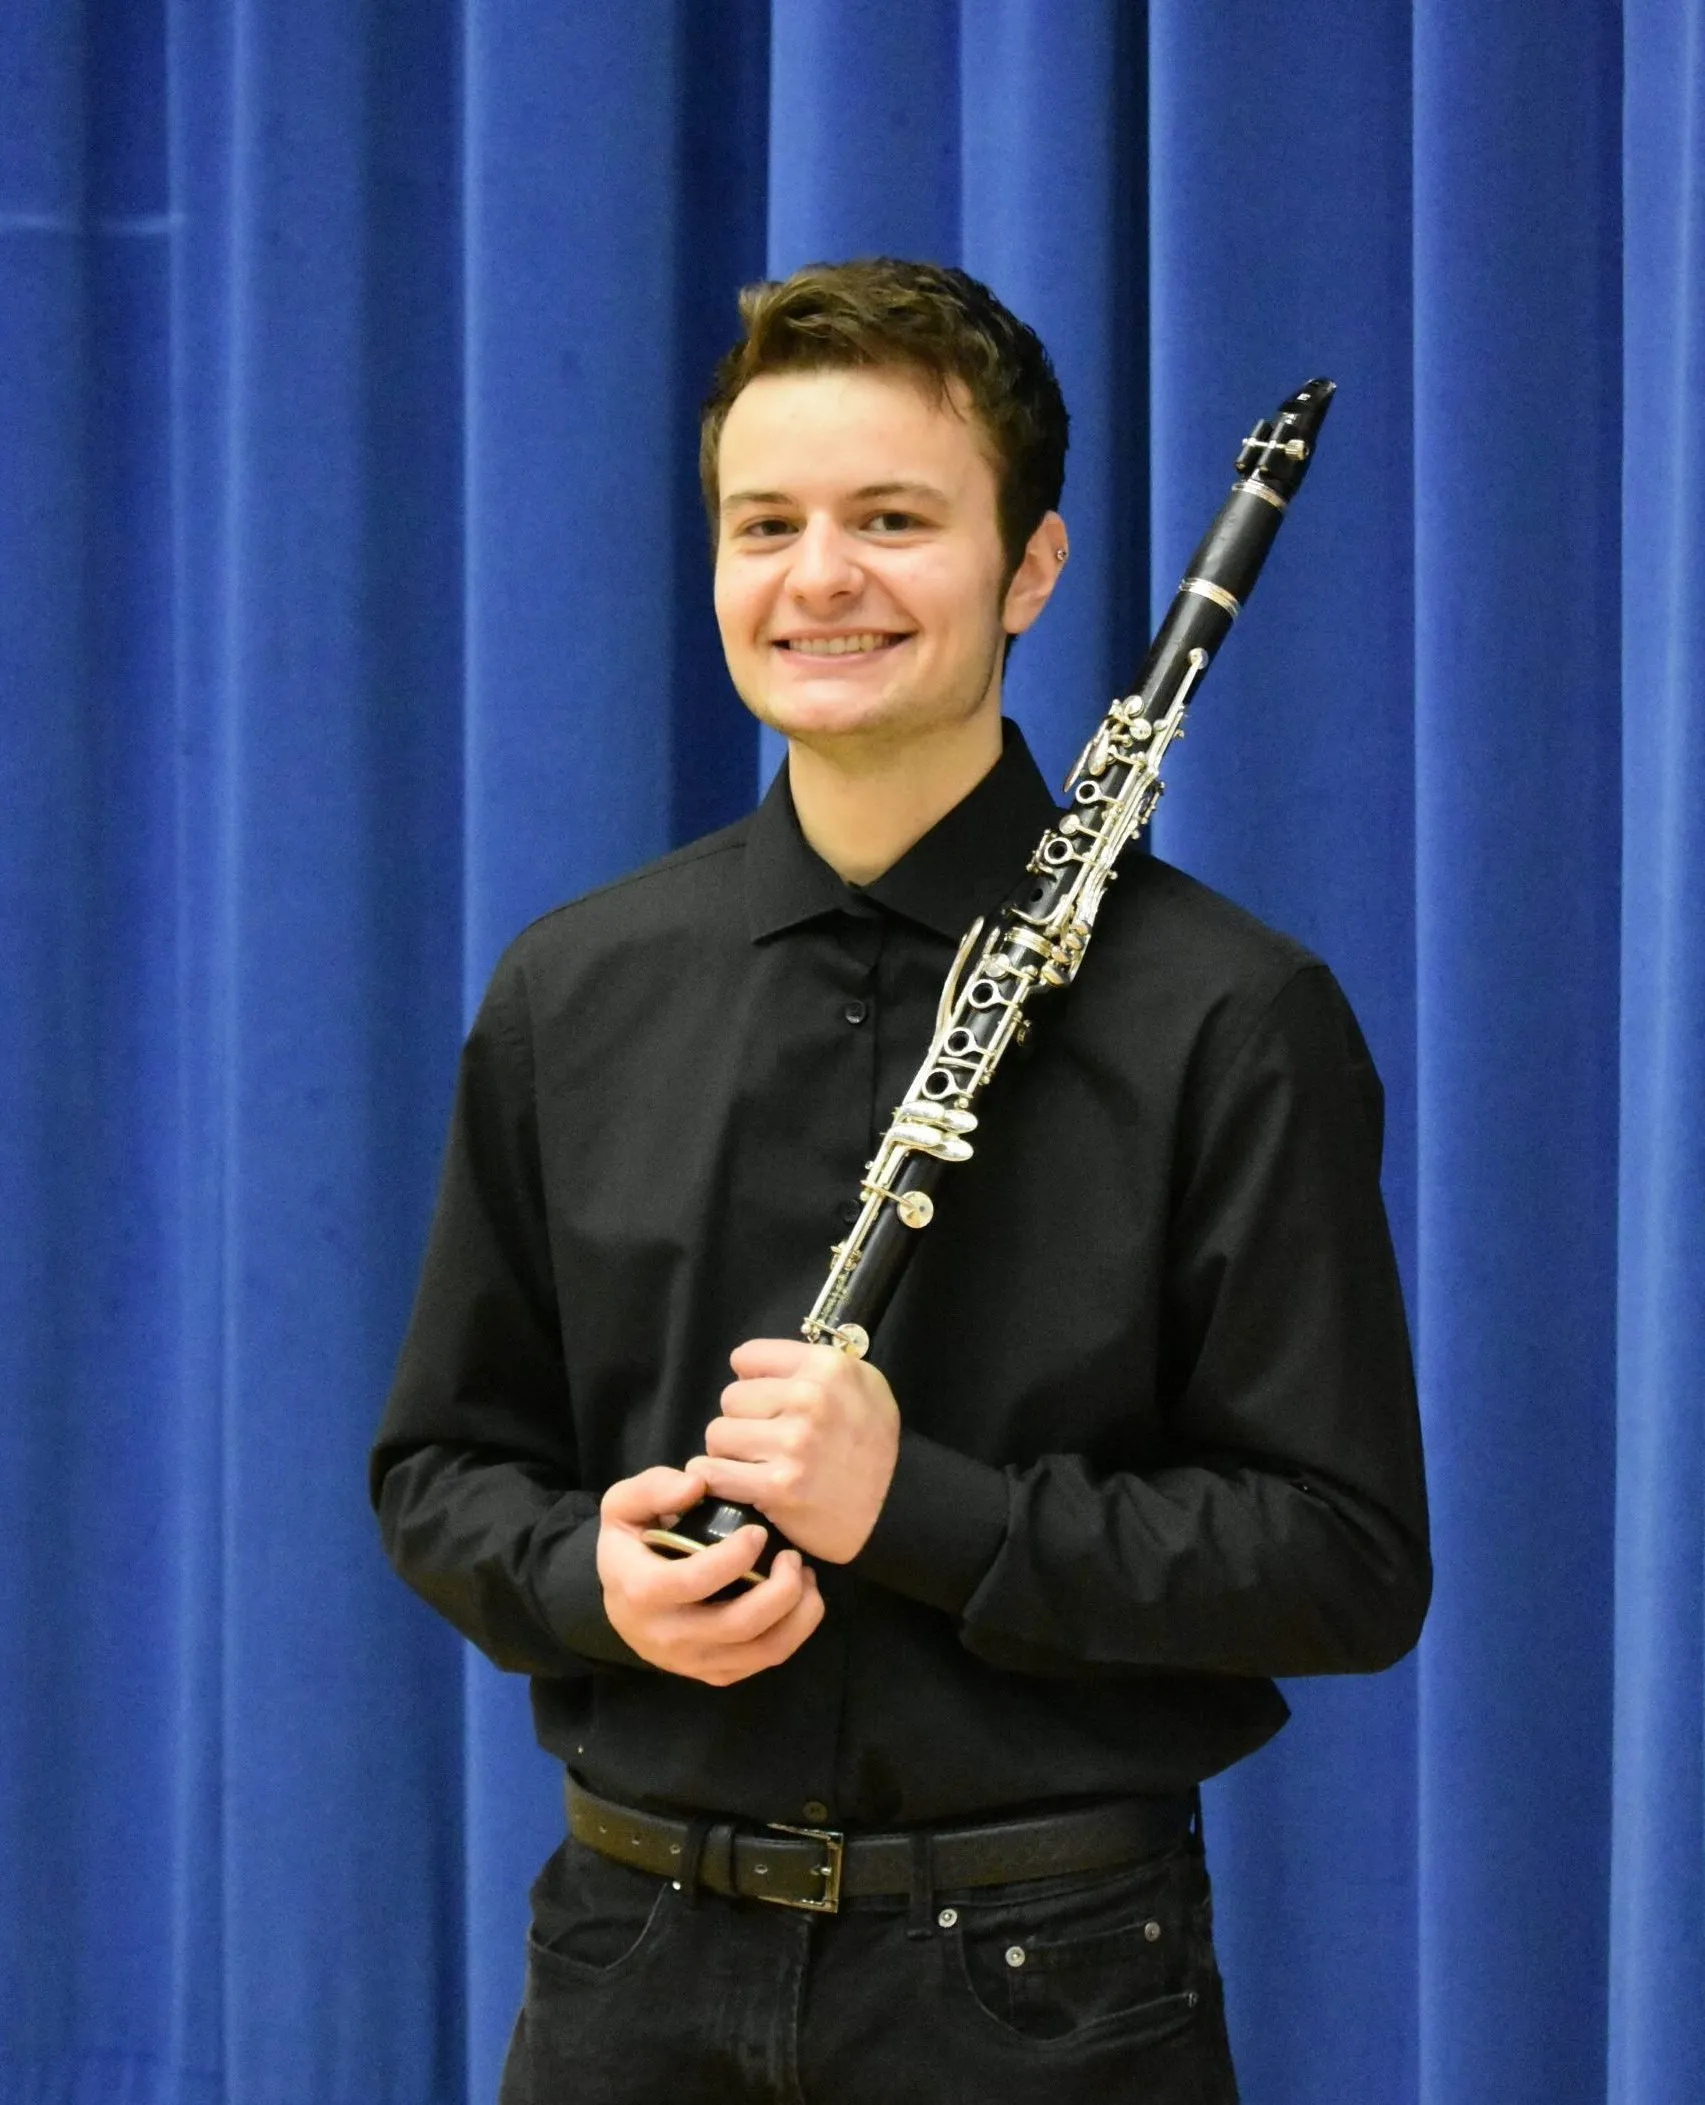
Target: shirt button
(856, 1011)
(815, 1809)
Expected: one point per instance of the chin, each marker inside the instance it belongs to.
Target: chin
(829, 716)
(871, 729)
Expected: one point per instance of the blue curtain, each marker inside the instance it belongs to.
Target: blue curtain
(354, 608)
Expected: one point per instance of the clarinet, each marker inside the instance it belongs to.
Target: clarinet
(1039, 936)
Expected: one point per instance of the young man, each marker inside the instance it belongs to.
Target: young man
(1139, 1430)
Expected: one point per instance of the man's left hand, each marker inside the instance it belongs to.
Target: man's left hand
(809, 1436)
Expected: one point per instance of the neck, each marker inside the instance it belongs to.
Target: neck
(862, 809)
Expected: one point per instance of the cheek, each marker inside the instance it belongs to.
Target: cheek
(736, 601)
(958, 601)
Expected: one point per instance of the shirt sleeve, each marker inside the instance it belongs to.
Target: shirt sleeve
(1285, 1530)
(474, 1473)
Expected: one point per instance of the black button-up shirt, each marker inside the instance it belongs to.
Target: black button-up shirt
(1159, 1432)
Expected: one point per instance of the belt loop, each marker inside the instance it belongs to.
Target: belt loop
(692, 1857)
(920, 1915)
(716, 1868)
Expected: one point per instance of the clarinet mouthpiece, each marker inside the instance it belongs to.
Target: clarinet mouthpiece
(1277, 452)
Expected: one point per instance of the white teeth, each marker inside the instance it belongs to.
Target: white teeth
(837, 646)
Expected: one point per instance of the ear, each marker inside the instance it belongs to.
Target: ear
(1037, 574)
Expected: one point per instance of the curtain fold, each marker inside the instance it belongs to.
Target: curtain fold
(1281, 250)
(1517, 423)
(1050, 111)
(312, 172)
(1657, 1917)
(354, 610)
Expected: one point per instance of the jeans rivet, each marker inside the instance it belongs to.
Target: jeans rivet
(947, 1918)
(1151, 1930)
(1015, 1955)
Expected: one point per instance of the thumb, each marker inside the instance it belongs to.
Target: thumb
(636, 1501)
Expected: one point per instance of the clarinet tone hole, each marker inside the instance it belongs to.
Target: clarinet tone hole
(938, 1084)
(984, 994)
(958, 1044)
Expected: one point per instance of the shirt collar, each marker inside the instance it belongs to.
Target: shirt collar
(966, 863)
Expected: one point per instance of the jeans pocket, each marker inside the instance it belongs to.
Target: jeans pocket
(1124, 1954)
(592, 1917)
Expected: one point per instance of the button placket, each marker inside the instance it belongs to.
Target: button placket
(856, 1010)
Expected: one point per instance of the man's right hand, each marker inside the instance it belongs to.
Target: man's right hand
(662, 1606)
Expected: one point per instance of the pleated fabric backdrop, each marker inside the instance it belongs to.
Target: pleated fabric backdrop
(354, 609)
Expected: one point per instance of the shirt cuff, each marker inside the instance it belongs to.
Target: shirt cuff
(940, 1528)
(571, 1599)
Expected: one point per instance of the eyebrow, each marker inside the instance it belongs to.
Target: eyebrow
(869, 491)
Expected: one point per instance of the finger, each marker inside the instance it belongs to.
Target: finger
(755, 1609)
(755, 1439)
(770, 1396)
(636, 1501)
(785, 1637)
(707, 1572)
(655, 1581)
(761, 1356)
(748, 1483)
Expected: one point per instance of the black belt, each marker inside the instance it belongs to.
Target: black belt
(815, 1867)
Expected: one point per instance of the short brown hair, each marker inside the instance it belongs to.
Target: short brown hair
(942, 325)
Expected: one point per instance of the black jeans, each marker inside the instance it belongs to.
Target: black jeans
(1100, 1989)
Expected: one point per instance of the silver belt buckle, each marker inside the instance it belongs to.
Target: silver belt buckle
(834, 1845)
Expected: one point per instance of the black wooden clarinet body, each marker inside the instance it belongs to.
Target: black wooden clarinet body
(1039, 936)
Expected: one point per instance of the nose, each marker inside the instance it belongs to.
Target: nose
(824, 569)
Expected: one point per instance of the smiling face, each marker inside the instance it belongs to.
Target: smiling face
(860, 580)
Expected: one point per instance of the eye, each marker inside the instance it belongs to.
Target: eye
(769, 528)
(893, 522)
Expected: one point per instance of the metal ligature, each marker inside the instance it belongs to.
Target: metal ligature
(1038, 938)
